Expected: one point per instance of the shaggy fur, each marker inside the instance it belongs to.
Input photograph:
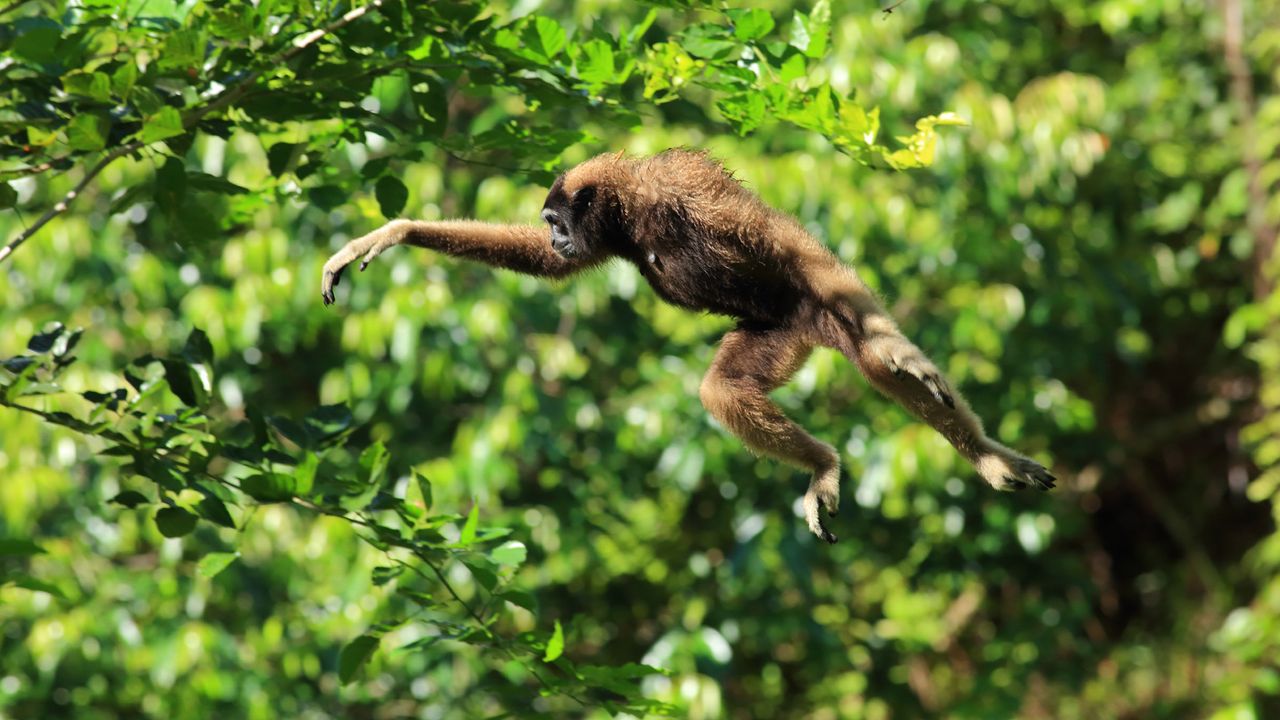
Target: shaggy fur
(704, 242)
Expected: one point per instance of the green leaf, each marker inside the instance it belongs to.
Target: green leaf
(512, 552)
(707, 41)
(431, 99)
(185, 383)
(41, 343)
(268, 487)
(424, 487)
(215, 511)
(129, 499)
(809, 33)
(304, 475)
(214, 184)
(17, 547)
(40, 137)
(383, 575)
(595, 65)
(792, 69)
(468, 535)
(92, 85)
(213, 563)
(8, 196)
(354, 655)
(292, 431)
(23, 580)
(198, 349)
(374, 460)
(429, 48)
(548, 37)
(555, 646)
(164, 124)
(392, 196)
(170, 185)
(279, 156)
(484, 572)
(38, 40)
(522, 598)
(746, 111)
(751, 24)
(183, 50)
(124, 78)
(175, 522)
(327, 197)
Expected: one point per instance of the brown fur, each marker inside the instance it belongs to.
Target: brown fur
(704, 242)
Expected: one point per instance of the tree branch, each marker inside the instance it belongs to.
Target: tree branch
(1263, 230)
(13, 6)
(62, 205)
(227, 97)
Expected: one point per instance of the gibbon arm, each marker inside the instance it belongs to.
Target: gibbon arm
(523, 248)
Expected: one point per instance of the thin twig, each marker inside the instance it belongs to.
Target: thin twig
(227, 97)
(62, 205)
(13, 6)
(889, 10)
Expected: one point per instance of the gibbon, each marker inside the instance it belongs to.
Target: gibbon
(706, 243)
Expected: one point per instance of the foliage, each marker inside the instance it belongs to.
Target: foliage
(100, 79)
(201, 469)
(465, 493)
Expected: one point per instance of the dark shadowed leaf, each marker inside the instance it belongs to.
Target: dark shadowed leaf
(392, 196)
(354, 655)
(184, 383)
(268, 487)
(175, 522)
(14, 547)
(43, 342)
(279, 157)
(327, 197)
(129, 499)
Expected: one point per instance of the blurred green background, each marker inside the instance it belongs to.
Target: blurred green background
(1091, 260)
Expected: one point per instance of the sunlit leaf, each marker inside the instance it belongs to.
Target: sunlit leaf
(165, 123)
(213, 563)
(512, 552)
(468, 534)
(555, 646)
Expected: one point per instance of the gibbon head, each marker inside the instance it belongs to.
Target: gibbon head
(583, 214)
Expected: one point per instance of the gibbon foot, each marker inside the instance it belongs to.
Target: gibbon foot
(1005, 469)
(823, 493)
(905, 359)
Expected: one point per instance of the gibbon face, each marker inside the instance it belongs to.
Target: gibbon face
(580, 222)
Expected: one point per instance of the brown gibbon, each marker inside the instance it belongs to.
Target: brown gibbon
(706, 243)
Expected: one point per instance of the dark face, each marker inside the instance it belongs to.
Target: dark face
(576, 222)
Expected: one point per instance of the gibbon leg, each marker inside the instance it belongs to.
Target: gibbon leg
(863, 332)
(750, 364)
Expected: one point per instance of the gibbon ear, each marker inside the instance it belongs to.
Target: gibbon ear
(582, 199)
